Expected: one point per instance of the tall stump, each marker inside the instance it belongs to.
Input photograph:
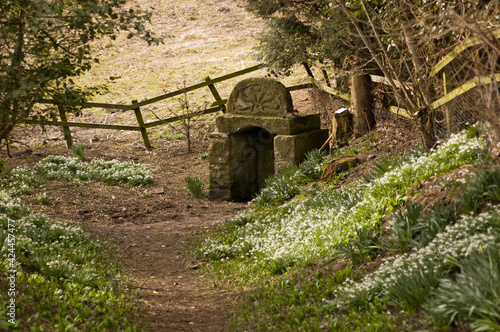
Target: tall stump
(362, 104)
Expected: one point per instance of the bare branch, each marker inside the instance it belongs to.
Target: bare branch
(368, 44)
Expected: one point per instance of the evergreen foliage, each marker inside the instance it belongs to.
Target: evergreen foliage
(403, 40)
(307, 30)
(302, 31)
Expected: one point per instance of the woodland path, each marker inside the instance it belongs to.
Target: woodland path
(154, 230)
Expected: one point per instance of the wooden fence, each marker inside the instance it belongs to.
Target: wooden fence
(447, 96)
(216, 106)
(219, 103)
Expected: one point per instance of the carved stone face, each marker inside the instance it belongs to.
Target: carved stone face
(260, 97)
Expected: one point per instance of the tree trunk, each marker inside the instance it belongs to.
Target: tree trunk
(362, 104)
(11, 111)
(424, 119)
(426, 127)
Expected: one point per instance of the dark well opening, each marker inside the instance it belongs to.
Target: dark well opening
(252, 162)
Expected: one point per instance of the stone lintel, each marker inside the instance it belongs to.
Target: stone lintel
(275, 125)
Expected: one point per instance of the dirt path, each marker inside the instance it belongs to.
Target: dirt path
(154, 229)
(177, 295)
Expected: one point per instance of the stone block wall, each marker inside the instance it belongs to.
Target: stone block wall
(258, 137)
(292, 149)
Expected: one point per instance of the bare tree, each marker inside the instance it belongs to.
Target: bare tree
(187, 110)
(407, 38)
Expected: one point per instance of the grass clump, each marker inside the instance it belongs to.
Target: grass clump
(404, 225)
(474, 293)
(175, 136)
(194, 185)
(362, 246)
(79, 151)
(43, 198)
(288, 182)
(486, 189)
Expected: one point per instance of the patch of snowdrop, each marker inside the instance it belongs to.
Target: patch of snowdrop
(53, 250)
(469, 234)
(69, 168)
(459, 150)
(108, 171)
(302, 229)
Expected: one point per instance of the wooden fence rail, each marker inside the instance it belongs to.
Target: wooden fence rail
(218, 105)
(441, 101)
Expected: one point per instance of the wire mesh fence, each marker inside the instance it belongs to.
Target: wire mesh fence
(459, 113)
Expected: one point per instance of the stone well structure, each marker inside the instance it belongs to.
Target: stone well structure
(258, 136)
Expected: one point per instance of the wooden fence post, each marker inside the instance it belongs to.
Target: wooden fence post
(327, 79)
(308, 69)
(66, 130)
(140, 121)
(446, 110)
(325, 75)
(342, 128)
(215, 93)
(362, 104)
